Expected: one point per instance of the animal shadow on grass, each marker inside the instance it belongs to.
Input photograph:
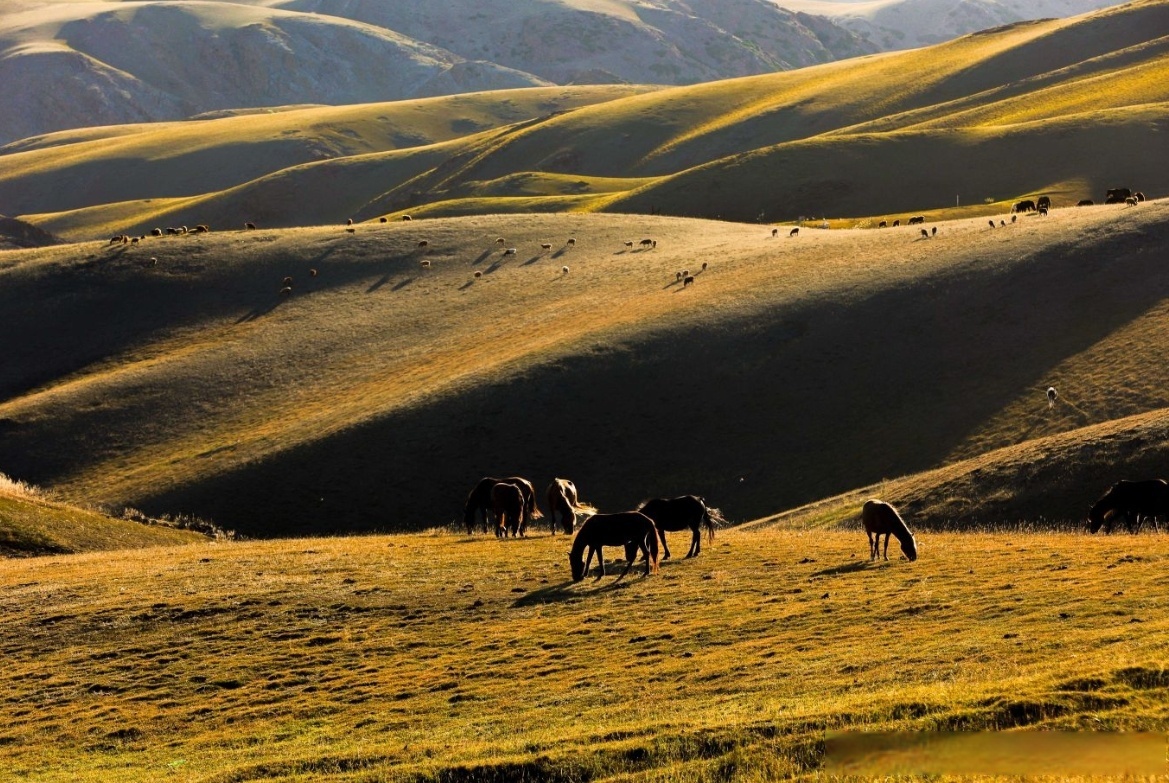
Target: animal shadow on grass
(850, 567)
(402, 284)
(494, 266)
(486, 254)
(466, 285)
(259, 311)
(559, 252)
(531, 261)
(552, 594)
(384, 279)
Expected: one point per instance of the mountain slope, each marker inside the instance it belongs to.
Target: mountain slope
(376, 394)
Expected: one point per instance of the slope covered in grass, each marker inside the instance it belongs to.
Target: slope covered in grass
(379, 391)
(439, 658)
(32, 523)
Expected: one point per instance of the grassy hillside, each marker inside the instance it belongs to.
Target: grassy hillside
(1077, 105)
(438, 658)
(32, 523)
(376, 394)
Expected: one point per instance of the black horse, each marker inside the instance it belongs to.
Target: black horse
(1134, 500)
(881, 519)
(681, 513)
(627, 529)
(479, 502)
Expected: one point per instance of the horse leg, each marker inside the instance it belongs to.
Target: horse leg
(629, 562)
(665, 547)
(695, 540)
(600, 562)
(872, 546)
(887, 537)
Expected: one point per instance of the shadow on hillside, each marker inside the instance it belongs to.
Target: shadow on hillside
(850, 567)
(260, 311)
(398, 286)
(552, 594)
(590, 585)
(379, 283)
(486, 254)
(559, 252)
(495, 265)
(533, 260)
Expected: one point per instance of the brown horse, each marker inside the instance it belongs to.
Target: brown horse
(880, 518)
(563, 505)
(507, 504)
(1135, 500)
(624, 529)
(479, 501)
(681, 513)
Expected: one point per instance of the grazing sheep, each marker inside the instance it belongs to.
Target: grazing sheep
(500, 241)
(897, 222)
(1139, 196)
(1085, 202)
(312, 273)
(133, 240)
(511, 251)
(545, 245)
(202, 229)
(654, 244)
(287, 281)
(687, 280)
(478, 274)
(426, 264)
(925, 233)
(351, 230)
(286, 290)
(1131, 201)
(1043, 211)
(677, 275)
(383, 220)
(646, 242)
(685, 273)
(917, 219)
(423, 243)
(1043, 202)
(1014, 218)
(406, 217)
(991, 223)
(249, 226)
(564, 270)
(934, 231)
(153, 261)
(883, 224)
(794, 232)
(1051, 395)
(775, 232)
(629, 243)
(571, 242)
(156, 232)
(171, 230)
(116, 240)
(184, 230)
(349, 222)
(703, 266)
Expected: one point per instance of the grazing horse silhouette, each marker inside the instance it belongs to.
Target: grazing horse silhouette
(479, 501)
(563, 505)
(624, 529)
(1135, 500)
(507, 504)
(881, 518)
(681, 513)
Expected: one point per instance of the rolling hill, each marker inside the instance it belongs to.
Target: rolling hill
(379, 391)
(1067, 107)
(78, 64)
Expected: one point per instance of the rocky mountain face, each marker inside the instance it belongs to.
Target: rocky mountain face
(907, 24)
(76, 64)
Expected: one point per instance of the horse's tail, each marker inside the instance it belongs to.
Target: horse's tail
(584, 508)
(530, 508)
(651, 541)
(712, 518)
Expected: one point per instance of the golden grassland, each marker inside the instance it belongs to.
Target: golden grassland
(192, 386)
(33, 523)
(438, 657)
(1075, 103)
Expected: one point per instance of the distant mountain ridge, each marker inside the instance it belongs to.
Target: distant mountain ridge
(68, 65)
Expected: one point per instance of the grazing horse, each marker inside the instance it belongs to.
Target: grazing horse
(681, 513)
(564, 505)
(629, 528)
(881, 518)
(1135, 500)
(479, 501)
(507, 504)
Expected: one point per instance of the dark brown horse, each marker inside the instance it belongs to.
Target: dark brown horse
(1134, 500)
(681, 513)
(564, 505)
(507, 504)
(623, 530)
(479, 501)
(879, 519)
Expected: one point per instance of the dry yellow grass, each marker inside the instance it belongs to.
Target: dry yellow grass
(441, 658)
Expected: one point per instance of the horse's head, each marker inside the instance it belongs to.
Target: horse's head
(1096, 516)
(578, 566)
(909, 547)
(469, 517)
